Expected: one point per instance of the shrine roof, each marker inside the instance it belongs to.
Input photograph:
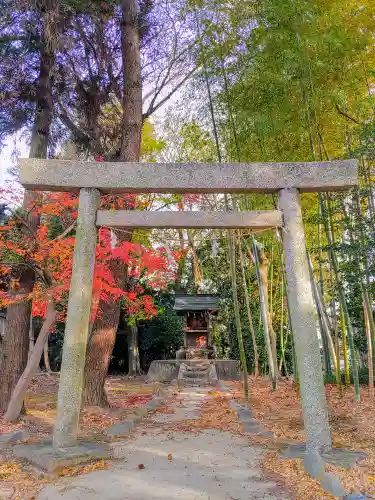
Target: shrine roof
(196, 303)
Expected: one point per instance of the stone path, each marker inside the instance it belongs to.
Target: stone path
(211, 465)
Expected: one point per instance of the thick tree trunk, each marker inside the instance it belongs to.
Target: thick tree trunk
(103, 334)
(101, 342)
(133, 350)
(15, 346)
(16, 341)
(16, 401)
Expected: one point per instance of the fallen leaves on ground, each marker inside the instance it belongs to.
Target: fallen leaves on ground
(124, 396)
(214, 413)
(352, 426)
(166, 410)
(84, 469)
(8, 469)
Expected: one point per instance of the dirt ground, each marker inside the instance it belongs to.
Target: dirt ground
(123, 395)
(352, 426)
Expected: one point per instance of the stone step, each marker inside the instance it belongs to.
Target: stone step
(195, 382)
(196, 368)
(195, 374)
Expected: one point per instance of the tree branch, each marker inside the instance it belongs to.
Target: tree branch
(343, 113)
(153, 108)
(65, 232)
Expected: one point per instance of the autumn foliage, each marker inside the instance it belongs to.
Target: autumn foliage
(49, 251)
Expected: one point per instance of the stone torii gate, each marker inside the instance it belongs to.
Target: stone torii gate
(288, 179)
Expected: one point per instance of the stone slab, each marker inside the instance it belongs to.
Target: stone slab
(121, 429)
(8, 439)
(261, 219)
(355, 496)
(142, 411)
(155, 403)
(163, 370)
(47, 458)
(245, 414)
(256, 429)
(228, 369)
(330, 483)
(70, 175)
(313, 464)
(336, 456)
(249, 423)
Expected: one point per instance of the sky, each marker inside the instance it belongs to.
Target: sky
(7, 159)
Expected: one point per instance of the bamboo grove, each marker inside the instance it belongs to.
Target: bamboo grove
(288, 81)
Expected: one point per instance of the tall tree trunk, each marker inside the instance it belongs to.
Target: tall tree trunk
(101, 342)
(16, 401)
(133, 351)
(103, 333)
(16, 338)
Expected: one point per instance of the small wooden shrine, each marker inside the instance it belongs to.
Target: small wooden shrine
(197, 312)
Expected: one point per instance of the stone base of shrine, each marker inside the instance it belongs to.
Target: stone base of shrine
(50, 460)
(166, 370)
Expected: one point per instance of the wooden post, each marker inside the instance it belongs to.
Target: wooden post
(302, 314)
(76, 330)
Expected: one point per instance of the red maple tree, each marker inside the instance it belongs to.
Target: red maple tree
(52, 258)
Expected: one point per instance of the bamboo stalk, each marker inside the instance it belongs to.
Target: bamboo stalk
(324, 321)
(282, 342)
(263, 310)
(248, 310)
(345, 347)
(335, 267)
(369, 349)
(232, 261)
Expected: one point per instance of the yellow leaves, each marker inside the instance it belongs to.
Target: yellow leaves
(150, 144)
(215, 394)
(8, 469)
(75, 471)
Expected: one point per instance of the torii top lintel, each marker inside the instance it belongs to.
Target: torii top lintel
(112, 177)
